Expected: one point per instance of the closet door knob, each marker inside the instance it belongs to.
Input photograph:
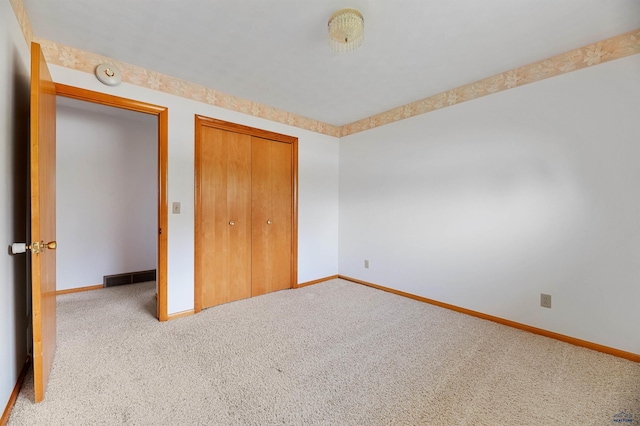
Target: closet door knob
(232, 223)
(269, 222)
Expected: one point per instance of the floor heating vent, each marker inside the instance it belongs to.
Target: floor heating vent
(129, 278)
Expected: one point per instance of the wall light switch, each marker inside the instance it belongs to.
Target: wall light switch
(175, 207)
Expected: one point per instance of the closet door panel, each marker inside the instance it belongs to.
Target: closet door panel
(225, 198)
(272, 195)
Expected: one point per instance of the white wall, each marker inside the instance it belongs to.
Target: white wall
(107, 192)
(318, 185)
(14, 139)
(489, 203)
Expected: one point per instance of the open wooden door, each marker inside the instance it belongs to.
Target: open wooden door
(43, 219)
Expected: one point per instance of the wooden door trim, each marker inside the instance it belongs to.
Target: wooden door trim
(252, 131)
(106, 99)
(163, 143)
(294, 215)
(246, 130)
(197, 285)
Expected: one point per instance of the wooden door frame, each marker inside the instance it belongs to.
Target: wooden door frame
(163, 142)
(201, 121)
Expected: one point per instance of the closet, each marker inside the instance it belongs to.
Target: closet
(245, 212)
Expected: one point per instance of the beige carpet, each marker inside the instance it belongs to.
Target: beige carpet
(335, 353)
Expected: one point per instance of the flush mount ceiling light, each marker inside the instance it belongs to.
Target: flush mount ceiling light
(108, 74)
(346, 30)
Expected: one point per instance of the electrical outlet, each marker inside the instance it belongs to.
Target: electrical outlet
(545, 300)
(366, 264)
(175, 207)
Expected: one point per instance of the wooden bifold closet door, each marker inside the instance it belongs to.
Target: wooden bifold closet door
(245, 212)
(271, 194)
(225, 219)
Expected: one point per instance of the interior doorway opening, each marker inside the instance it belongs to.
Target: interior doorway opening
(106, 179)
(95, 103)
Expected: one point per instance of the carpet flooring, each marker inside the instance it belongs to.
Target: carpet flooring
(334, 353)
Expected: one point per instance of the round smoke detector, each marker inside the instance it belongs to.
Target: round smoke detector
(108, 74)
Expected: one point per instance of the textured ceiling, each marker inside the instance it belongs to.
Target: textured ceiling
(275, 52)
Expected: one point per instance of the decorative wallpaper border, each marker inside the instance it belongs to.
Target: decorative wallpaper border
(623, 45)
(593, 54)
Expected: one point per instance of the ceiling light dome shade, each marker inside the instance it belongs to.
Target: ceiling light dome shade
(346, 30)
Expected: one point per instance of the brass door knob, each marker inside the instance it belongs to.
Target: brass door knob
(36, 247)
(232, 223)
(269, 222)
